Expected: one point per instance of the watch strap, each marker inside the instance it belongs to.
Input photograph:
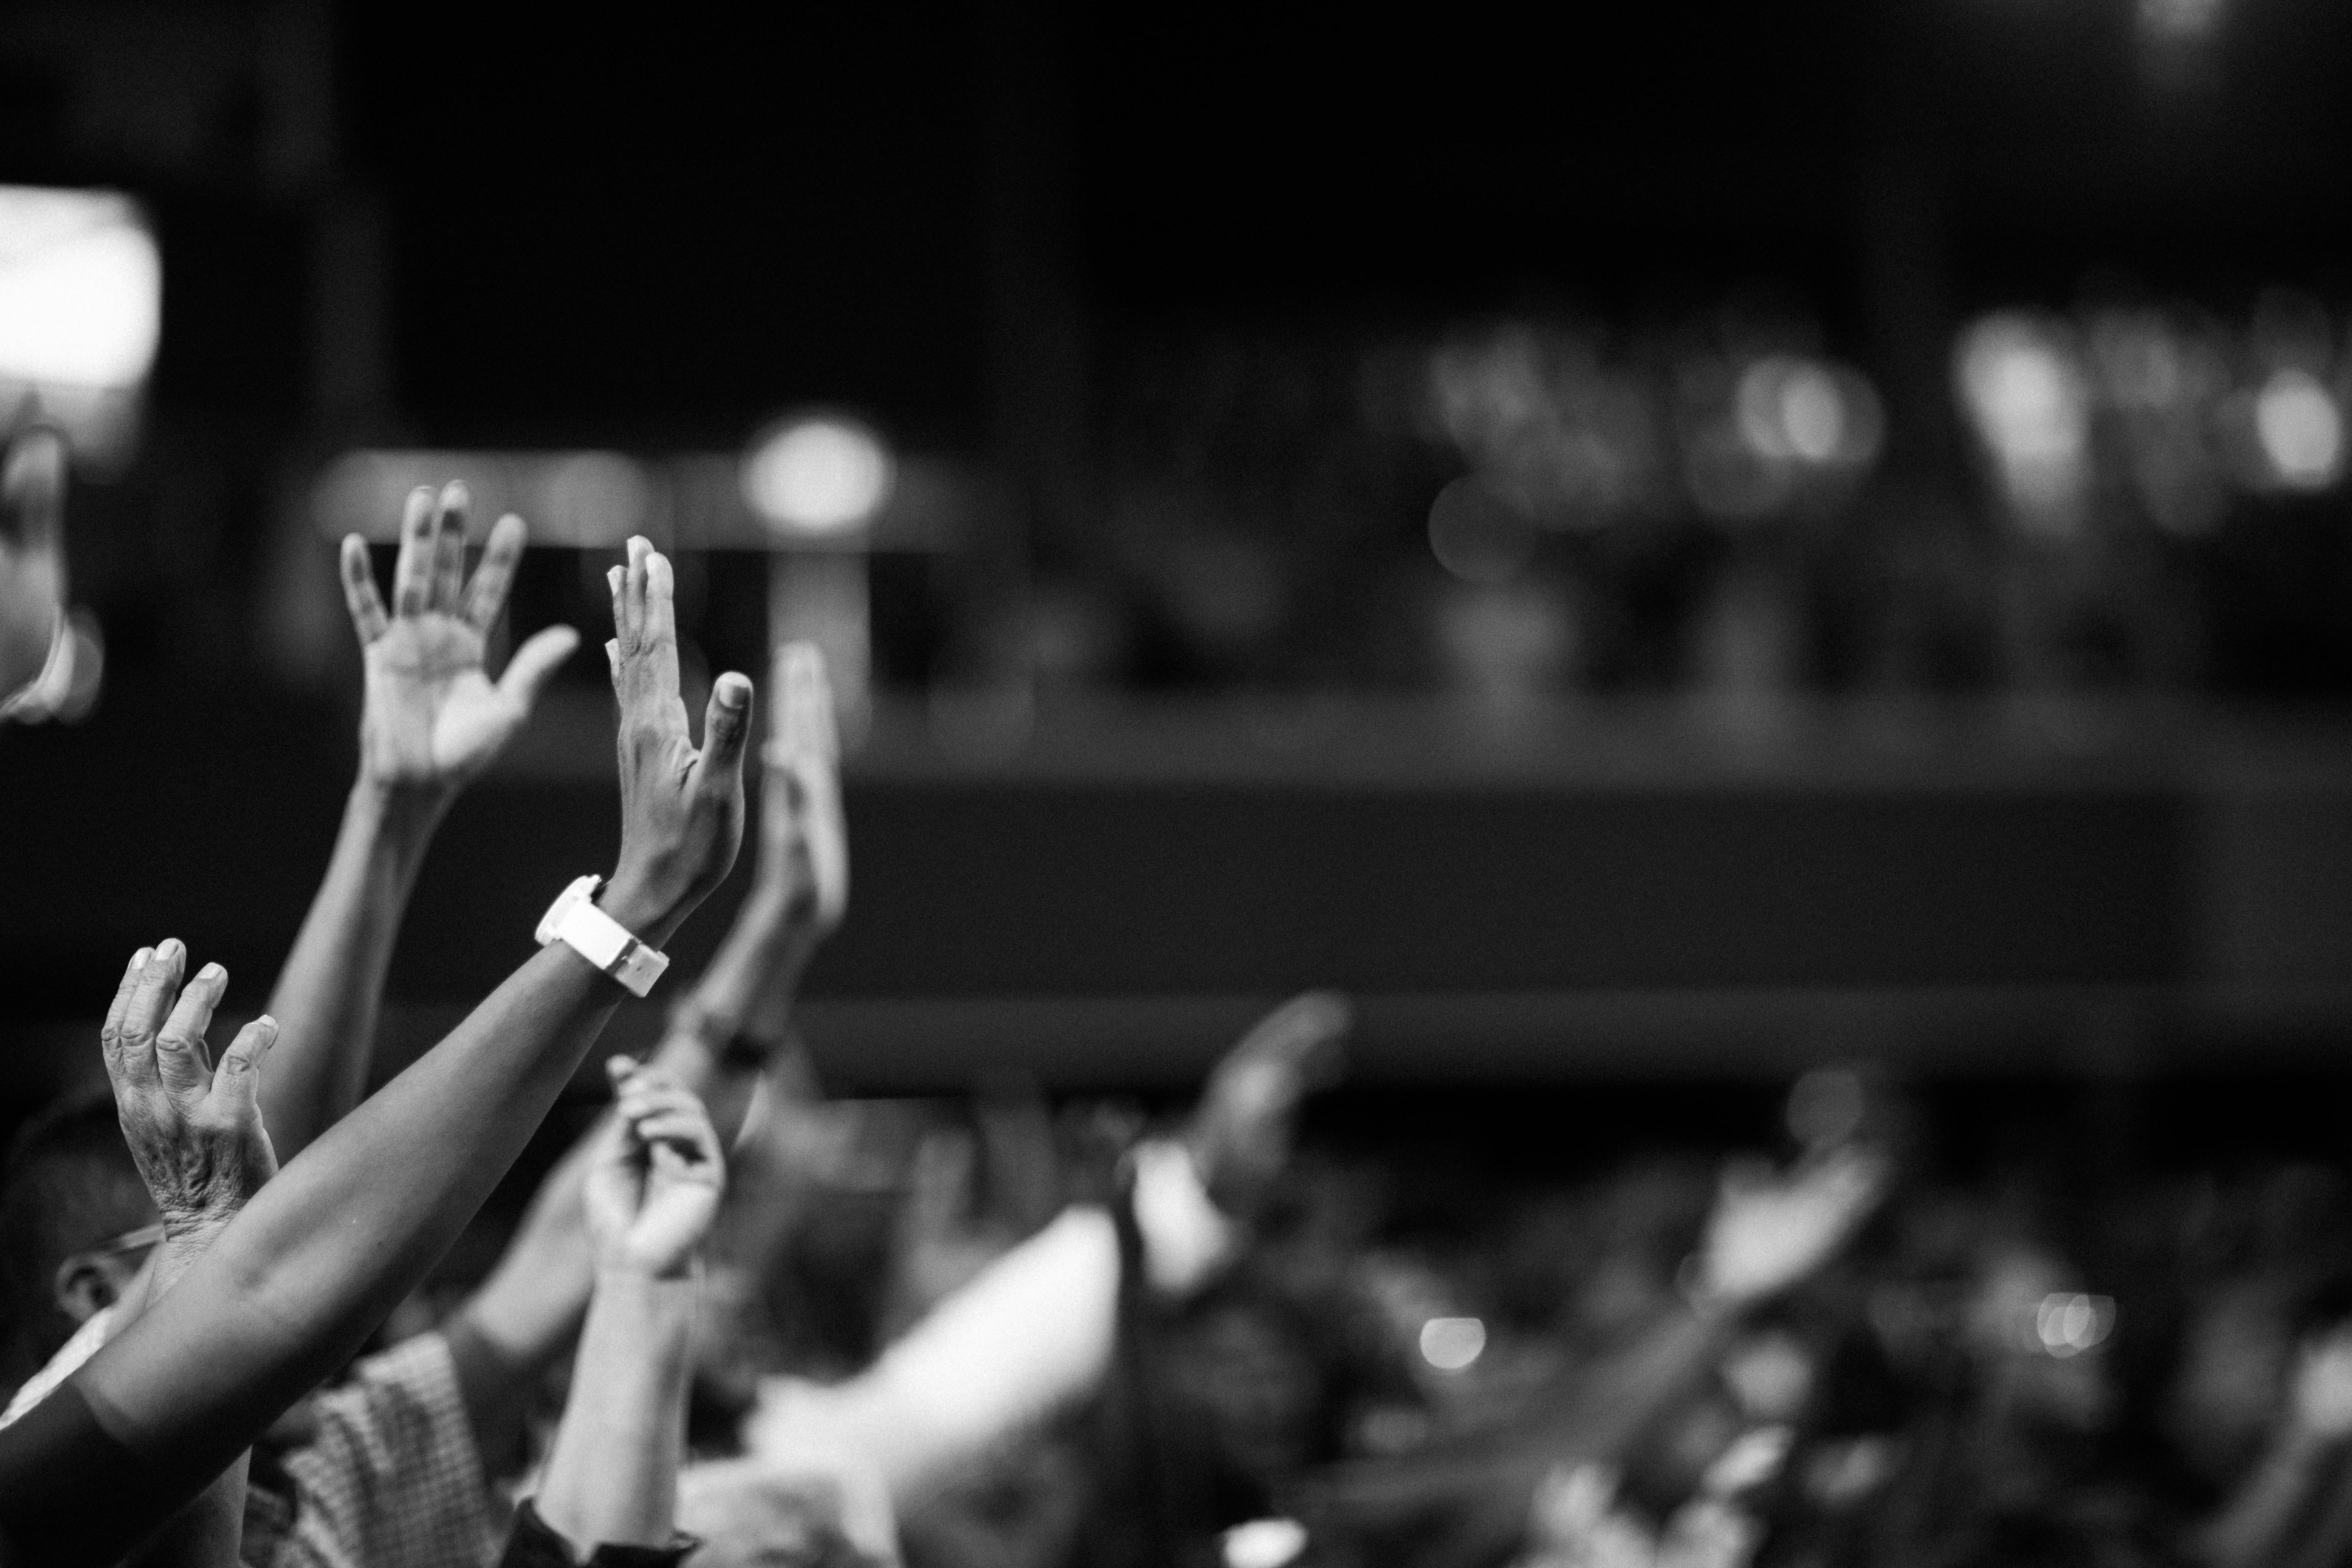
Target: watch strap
(575, 920)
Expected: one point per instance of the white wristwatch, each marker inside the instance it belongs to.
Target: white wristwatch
(574, 919)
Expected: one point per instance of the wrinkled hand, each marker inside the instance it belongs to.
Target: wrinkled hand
(804, 842)
(2323, 1384)
(681, 809)
(434, 719)
(1767, 1232)
(195, 1130)
(655, 1178)
(31, 555)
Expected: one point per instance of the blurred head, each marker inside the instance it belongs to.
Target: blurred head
(71, 1208)
(1250, 1368)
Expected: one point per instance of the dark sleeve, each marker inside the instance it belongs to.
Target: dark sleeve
(70, 1493)
(532, 1544)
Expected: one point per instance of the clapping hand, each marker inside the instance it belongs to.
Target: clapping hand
(804, 842)
(1770, 1231)
(655, 1177)
(195, 1129)
(434, 718)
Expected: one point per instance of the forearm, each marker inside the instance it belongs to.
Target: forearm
(612, 1475)
(531, 1305)
(297, 1281)
(208, 1532)
(744, 999)
(327, 997)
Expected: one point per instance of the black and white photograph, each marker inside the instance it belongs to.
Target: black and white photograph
(1025, 786)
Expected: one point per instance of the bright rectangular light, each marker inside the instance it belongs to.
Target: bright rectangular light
(82, 306)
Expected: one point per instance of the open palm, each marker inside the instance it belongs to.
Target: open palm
(434, 718)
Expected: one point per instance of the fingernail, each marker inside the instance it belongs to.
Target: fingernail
(613, 578)
(139, 960)
(734, 690)
(454, 493)
(169, 950)
(213, 973)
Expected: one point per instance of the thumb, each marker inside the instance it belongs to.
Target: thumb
(727, 723)
(527, 673)
(237, 1083)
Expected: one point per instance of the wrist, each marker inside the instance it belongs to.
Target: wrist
(407, 813)
(640, 904)
(189, 1233)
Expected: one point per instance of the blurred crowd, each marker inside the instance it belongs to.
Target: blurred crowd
(2138, 494)
(741, 1322)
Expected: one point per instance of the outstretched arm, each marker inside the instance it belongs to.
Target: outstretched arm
(719, 1042)
(651, 1195)
(432, 722)
(293, 1284)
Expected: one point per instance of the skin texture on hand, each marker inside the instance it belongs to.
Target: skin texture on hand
(195, 1131)
(32, 554)
(681, 808)
(434, 719)
(654, 1183)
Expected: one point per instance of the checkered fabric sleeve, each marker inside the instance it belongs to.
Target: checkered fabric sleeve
(391, 1480)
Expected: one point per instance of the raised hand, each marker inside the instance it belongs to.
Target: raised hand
(1767, 1232)
(804, 842)
(1241, 1131)
(434, 719)
(195, 1130)
(31, 555)
(656, 1175)
(681, 809)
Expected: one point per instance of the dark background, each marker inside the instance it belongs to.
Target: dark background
(994, 233)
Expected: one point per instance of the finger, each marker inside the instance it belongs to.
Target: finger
(34, 483)
(683, 1134)
(180, 1059)
(627, 1073)
(726, 725)
(236, 1087)
(672, 1124)
(639, 1099)
(110, 1034)
(446, 591)
(412, 569)
(486, 595)
(633, 588)
(360, 596)
(535, 663)
(150, 1003)
(657, 623)
(1300, 1024)
(661, 599)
